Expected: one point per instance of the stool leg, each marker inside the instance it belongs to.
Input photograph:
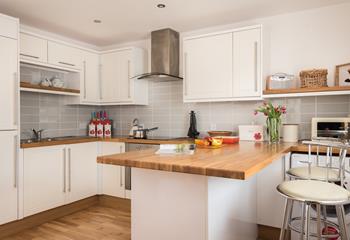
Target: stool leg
(302, 221)
(307, 221)
(286, 218)
(324, 210)
(341, 222)
(319, 230)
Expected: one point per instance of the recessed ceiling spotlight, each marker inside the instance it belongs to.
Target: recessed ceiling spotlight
(161, 5)
(97, 21)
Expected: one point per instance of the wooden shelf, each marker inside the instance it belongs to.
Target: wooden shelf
(28, 87)
(304, 92)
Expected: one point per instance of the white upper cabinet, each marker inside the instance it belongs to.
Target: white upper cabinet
(223, 66)
(90, 81)
(33, 48)
(118, 69)
(208, 67)
(64, 56)
(247, 63)
(9, 95)
(9, 26)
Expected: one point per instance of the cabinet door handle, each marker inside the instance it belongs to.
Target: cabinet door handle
(30, 56)
(101, 81)
(69, 170)
(121, 176)
(84, 63)
(64, 169)
(129, 79)
(15, 163)
(256, 66)
(68, 64)
(15, 102)
(185, 73)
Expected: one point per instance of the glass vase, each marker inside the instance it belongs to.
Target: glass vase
(273, 129)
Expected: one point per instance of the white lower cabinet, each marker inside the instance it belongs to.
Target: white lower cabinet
(44, 179)
(270, 204)
(81, 171)
(112, 176)
(8, 176)
(58, 175)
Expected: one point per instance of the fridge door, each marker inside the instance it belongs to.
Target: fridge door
(8, 176)
(9, 83)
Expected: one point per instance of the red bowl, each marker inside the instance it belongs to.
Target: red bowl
(230, 139)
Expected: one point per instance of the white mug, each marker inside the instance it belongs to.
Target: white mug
(290, 133)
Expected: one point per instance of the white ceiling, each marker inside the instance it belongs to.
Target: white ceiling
(130, 20)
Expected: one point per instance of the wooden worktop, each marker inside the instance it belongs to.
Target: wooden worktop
(237, 161)
(75, 140)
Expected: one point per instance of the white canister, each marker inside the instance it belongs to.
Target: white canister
(99, 130)
(290, 133)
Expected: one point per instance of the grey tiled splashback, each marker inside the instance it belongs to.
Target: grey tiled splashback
(167, 111)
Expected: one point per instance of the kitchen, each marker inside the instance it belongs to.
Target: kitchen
(289, 39)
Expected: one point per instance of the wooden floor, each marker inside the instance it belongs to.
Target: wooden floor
(100, 223)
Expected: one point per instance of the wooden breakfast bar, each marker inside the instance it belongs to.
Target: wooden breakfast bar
(210, 195)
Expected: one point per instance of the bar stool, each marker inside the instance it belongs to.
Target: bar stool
(328, 172)
(316, 188)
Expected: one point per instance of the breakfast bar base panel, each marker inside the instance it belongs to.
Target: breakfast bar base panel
(172, 206)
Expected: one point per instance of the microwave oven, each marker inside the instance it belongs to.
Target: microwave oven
(329, 127)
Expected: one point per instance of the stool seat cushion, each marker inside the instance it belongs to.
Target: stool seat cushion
(314, 191)
(317, 173)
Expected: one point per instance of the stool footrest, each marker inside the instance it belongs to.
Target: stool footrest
(294, 227)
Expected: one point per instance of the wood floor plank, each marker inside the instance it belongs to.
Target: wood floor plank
(94, 223)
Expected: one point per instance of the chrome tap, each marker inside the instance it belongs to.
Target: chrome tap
(37, 134)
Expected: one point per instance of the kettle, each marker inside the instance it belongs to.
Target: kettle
(135, 126)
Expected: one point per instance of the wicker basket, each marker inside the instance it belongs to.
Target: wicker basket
(313, 78)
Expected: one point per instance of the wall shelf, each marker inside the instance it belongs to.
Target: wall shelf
(28, 87)
(306, 92)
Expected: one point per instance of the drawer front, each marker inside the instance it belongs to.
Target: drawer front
(33, 48)
(64, 56)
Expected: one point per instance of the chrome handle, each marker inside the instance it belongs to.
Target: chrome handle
(256, 66)
(15, 102)
(15, 165)
(69, 170)
(27, 55)
(129, 88)
(84, 63)
(101, 82)
(64, 169)
(185, 73)
(121, 148)
(68, 64)
(121, 176)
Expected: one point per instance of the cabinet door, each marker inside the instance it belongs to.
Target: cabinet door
(270, 202)
(33, 48)
(81, 171)
(113, 176)
(9, 26)
(208, 67)
(115, 72)
(9, 83)
(64, 56)
(8, 176)
(247, 63)
(90, 84)
(44, 181)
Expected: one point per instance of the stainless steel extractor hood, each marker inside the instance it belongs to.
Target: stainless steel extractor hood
(164, 56)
